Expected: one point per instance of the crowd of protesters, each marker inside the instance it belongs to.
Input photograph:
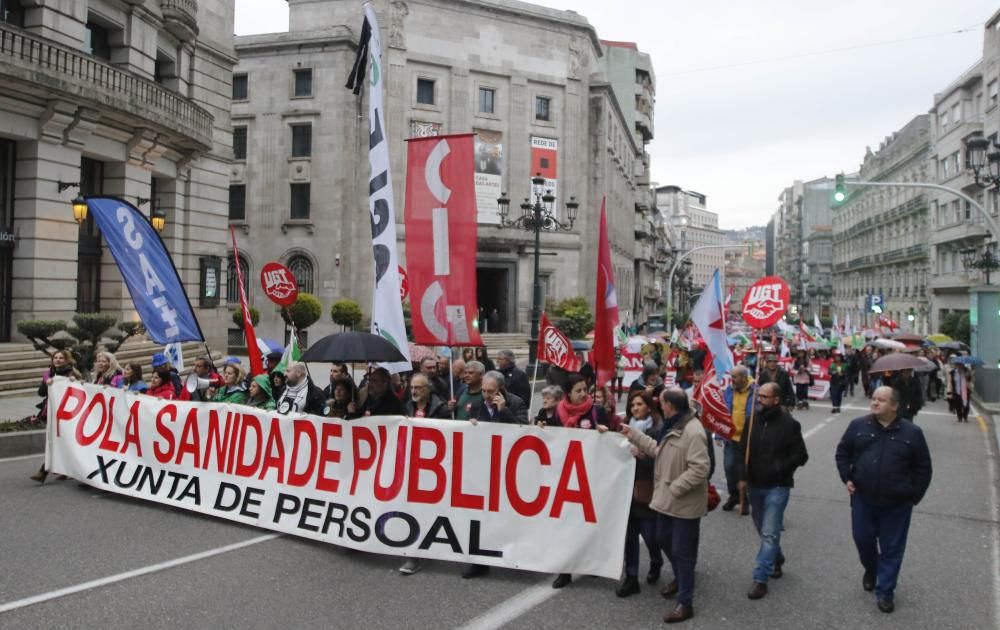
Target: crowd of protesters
(674, 453)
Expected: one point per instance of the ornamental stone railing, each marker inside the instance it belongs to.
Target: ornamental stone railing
(74, 75)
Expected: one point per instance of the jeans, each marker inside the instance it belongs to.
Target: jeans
(880, 536)
(678, 537)
(836, 395)
(730, 459)
(767, 507)
(645, 527)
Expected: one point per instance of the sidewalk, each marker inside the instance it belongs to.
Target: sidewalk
(18, 407)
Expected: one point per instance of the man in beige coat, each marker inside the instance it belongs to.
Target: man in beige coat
(680, 493)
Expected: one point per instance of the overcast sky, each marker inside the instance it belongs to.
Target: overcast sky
(742, 133)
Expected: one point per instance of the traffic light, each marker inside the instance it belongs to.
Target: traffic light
(839, 192)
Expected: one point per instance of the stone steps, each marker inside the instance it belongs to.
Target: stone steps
(21, 366)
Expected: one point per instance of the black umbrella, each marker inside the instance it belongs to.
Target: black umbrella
(953, 345)
(349, 347)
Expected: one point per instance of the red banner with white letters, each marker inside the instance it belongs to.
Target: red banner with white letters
(554, 347)
(440, 220)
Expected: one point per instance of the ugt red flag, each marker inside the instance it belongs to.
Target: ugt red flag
(256, 362)
(554, 347)
(440, 218)
(606, 308)
(710, 394)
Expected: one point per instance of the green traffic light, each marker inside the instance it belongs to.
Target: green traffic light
(839, 196)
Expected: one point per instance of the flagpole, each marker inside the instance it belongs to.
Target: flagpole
(531, 396)
(451, 376)
(749, 426)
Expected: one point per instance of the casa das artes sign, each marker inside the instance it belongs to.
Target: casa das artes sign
(766, 302)
(279, 284)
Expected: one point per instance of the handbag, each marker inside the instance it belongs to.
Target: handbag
(713, 497)
(642, 490)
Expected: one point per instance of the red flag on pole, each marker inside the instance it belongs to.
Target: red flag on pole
(606, 308)
(710, 394)
(805, 333)
(440, 217)
(256, 362)
(554, 347)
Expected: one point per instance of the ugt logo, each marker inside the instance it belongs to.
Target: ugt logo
(556, 346)
(764, 301)
(278, 283)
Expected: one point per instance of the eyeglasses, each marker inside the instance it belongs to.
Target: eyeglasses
(762, 396)
(419, 386)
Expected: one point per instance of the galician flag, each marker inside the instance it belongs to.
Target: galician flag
(836, 324)
(805, 332)
(175, 355)
(816, 323)
(387, 307)
(292, 354)
(710, 319)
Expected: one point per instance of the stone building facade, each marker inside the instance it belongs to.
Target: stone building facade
(126, 98)
(880, 234)
(693, 226)
(530, 81)
(968, 106)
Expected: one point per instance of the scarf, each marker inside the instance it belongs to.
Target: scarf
(570, 414)
(960, 385)
(295, 397)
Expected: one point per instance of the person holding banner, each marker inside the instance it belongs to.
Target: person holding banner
(680, 493)
(499, 405)
(232, 390)
(63, 364)
(378, 398)
(424, 402)
(578, 411)
(160, 385)
(260, 393)
(106, 370)
(548, 415)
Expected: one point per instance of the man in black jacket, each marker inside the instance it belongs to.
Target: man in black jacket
(771, 448)
(911, 394)
(884, 461)
(515, 377)
(378, 399)
(424, 402)
(772, 373)
(498, 404)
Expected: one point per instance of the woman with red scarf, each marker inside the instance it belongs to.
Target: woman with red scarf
(578, 411)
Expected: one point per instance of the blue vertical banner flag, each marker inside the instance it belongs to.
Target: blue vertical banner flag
(147, 269)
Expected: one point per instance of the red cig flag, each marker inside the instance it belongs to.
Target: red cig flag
(554, 347)
(440, 218)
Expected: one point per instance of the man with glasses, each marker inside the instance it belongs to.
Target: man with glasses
(771, 448)
(424, 402)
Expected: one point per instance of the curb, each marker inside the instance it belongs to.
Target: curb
(22, 443)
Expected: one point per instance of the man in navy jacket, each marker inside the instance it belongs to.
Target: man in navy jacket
(884, 461)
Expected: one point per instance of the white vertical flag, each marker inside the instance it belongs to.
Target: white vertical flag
(387, 307)
(175, 355)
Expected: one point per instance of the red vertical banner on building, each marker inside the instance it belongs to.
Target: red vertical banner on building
(605, 308)
(440, 218)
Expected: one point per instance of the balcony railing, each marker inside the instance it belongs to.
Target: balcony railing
(80, 77)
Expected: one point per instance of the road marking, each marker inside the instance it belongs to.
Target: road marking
(923, 412)
(808, 434)
(982, 424)
(21, 458)
(991, 455)
(509, 610)
(128, 575)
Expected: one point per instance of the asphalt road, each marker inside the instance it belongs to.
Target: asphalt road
(127, 564)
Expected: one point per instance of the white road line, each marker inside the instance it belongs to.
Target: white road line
(533, 596)
(509, 610)
(128, 575)
(20, 458)
(923, 412)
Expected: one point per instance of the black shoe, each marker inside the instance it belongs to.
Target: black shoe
(654, 573)
(730, 503)
(670, 589)
(886, 605)
(628, 586)
(40, 475)
(563, 579)
(868, 582)
(474, 571)
(757, 591)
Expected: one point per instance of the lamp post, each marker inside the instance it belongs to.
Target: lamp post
(536, 217)
(985, 262)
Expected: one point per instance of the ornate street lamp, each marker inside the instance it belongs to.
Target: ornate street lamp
(983, 162)
(985, 262)
(158, 217)
(536, 217)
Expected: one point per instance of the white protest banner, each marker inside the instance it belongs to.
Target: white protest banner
(553, 500)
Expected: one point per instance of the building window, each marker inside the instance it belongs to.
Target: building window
(164, 68)
(302, 268)
(96, 41)
(237, 202)
(302, 140)
(11, 12)
(542, 108)
(944, 119)
(486, 100)
(425, 91)
(240, 143)
(300, 201)
(991, 91)
(232, 280)
(304, 82)
(956, 112)
(241, 87)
